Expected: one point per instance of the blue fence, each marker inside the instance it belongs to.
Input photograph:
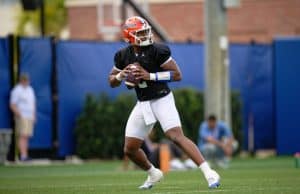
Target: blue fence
(36, 60)
(257, 94)
(287, 94)
(83, 67)
(5, 83)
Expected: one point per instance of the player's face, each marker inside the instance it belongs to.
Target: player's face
(143, 34)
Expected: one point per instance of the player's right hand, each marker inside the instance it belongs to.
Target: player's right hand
(124, 73)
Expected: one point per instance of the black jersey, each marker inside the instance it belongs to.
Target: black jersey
(150, 58)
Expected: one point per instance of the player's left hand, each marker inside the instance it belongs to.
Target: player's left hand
(141, 73)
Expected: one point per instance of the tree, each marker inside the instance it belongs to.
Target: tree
(55, 19)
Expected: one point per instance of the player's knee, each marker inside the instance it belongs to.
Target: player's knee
(177, 139)
(175, 136)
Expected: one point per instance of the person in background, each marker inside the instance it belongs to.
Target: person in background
(216, 141)
(23, 106)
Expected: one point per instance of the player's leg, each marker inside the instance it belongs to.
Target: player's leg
(136, 131)
(132, 149)
(176, 135)
(167, 114)
(136, 154)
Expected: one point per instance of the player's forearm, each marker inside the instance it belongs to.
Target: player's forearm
(165, 76)
(116, 77)
(113, 81)
(172, 67)
(176, 75)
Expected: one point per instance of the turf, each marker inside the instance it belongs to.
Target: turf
(276, 175)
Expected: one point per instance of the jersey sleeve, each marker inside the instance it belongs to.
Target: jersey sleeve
(118, 62)
(163, 54)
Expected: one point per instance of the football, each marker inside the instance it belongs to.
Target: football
(131, 80)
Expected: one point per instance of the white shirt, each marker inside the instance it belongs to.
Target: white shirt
(23, 97)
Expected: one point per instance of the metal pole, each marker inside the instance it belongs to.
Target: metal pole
(42, 17)
(123, 10)
(217, 95)
(12, 148)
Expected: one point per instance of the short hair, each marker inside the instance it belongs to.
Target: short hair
(212, 117)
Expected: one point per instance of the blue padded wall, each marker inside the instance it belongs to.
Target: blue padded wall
(36, 60)
(5, 84)
(287, 95)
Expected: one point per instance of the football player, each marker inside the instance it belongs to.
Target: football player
(155, 69)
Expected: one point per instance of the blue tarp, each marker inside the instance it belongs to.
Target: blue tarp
(258, 96)
(82, 68)
(287, 95)
(191, 61)
(36, 60)
(5, 84)
(238, 55)
(251, 74)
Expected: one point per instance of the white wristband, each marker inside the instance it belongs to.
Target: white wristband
(118, 77)
(153, 76)
(164, 76)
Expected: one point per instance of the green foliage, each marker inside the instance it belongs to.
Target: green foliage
(55, 18)
(236, 114)
(100, 127)
(189, 103)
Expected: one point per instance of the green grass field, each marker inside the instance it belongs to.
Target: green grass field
(276, 175)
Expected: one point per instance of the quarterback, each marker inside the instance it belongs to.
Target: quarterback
(148, 67)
